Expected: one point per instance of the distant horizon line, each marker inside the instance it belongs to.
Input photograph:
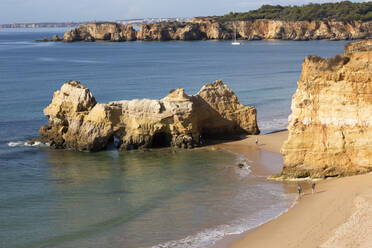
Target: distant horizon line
(94, 21)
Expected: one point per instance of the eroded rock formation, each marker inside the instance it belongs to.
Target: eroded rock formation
(210, 29)
(78, 122)
(101, 32)
(330, 128)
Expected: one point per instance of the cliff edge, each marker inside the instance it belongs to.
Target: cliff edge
(78, 122)
(330, 128)
(211, 29)
(106, 31)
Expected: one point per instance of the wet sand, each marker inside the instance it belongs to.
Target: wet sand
(338, 214)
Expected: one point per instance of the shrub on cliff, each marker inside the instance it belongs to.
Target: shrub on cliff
(337, 60)
(329, 63)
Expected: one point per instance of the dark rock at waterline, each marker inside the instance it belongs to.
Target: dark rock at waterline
(55, 38)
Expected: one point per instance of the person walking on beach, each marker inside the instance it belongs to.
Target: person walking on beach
(299, 189)
(313, 188)
(256, 141)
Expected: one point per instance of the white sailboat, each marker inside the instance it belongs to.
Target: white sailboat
(235, 42)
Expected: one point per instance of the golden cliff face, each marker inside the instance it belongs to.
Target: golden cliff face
(330, 128)
(78, 122)
(204, 28)
(209, 29)
(101, 31)
(302, 30)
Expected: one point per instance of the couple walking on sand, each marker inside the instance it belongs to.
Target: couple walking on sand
(299, 189)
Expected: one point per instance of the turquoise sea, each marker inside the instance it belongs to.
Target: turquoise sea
(160, 198)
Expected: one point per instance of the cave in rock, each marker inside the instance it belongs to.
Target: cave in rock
(161, 139)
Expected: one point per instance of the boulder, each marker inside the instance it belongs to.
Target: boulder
(57, 38)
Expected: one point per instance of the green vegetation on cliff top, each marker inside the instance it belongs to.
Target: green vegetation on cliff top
(341, 11)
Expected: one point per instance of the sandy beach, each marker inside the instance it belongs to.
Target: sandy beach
(338, 214)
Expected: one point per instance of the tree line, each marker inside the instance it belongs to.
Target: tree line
(341, 11)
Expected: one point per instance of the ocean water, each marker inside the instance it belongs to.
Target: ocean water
(160, 198)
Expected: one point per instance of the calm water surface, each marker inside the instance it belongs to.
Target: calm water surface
(136, 199)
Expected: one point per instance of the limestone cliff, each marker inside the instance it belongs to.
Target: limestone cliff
(211, 29)
(101, 31)
(207, 28)
(78, 122)
(303, 30)
(330, 128)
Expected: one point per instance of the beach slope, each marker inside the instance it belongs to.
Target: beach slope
(338, 214)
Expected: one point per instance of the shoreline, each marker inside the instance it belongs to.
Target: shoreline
(338, 214)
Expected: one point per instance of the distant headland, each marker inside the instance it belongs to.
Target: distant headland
(329, 21)
(137, 22)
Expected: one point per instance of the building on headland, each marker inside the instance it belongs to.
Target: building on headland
(135, 22)
(44, 25)
(151, 20)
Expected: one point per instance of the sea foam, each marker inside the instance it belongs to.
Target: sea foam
(26, 143)
(272, 125)
(209, 237)
(16, 143)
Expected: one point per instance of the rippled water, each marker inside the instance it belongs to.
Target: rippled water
(134, 199)
(160, 198)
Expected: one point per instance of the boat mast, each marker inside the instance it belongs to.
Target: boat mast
(235, 32)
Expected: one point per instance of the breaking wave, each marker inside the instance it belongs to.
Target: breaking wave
(26, 143)
(267, 126)
(207, 238)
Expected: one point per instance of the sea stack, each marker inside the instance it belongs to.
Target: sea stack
(330, 128)
(78, 122)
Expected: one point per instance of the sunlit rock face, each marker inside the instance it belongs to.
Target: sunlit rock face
(330, 128)
(78, 122)
(211, 29)
(101, 32)
(302, 30)
(207, 28)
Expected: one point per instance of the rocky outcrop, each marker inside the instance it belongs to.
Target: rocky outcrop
(303, 30)
(101, 32)
(78, 122)
(55, 38)
(170, 31)
(211, 29)
(185, 31)
(330, 128)
(207, 28)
